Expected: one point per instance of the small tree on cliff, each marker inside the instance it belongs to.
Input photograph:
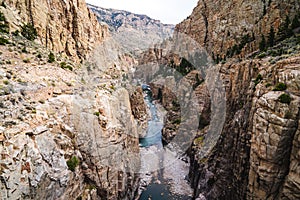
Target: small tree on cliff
(29, 32)
(295, 22)
(271, 37)
(285, 29)
(262, 44)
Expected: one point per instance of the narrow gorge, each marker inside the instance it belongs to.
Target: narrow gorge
(100, 103)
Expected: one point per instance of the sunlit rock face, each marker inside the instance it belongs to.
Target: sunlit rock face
(67, 27)
(46, 120)
(133, 32)
(218, 26)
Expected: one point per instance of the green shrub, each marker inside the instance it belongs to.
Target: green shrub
(97, 114)
(51, 57)
(280, 87)
(24, 50)
(285, 98)
(6, 82)
(177, 121)
(16, 33)
(29, 32)
(268, 85)
(3, 41)
(262, 55)
(65, 66)
(262, 44)
(4, 28)
(258, 79)
(73, 163)
(199, 140)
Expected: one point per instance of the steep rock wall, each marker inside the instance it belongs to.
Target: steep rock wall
(63, 26)
(219, 25)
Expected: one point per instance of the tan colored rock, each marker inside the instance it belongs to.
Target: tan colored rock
(67, 27)
(139, 110)
(218, 26)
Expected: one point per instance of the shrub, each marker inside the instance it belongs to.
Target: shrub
(51, 57)
(4, 28)
(29, 32)
(285, 98)
(268, 85)
(73, 163)
(97, 114)
(262, 44)
(295, 22)
(24, 50)
(271, 37)
(177, 121)
(262, 55)
(280, 87)
(199, 140)
(3, 41)
(65, 66)
(258, 79)
(16, 33)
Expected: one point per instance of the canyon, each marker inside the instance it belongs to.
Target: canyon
(73, 112)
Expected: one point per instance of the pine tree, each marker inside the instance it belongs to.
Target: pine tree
(262, 44)
(295, 22)
(271, 37)
(285, 30)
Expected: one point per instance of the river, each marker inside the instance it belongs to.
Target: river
(163, 176)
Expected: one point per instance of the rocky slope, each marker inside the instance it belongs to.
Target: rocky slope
(67, 27)
(67, 130)
(63, 135)
(127, 27)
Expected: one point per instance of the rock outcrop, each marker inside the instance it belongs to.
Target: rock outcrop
(66, 131)
(67, 27)
(256, 155)
(139, 110)
(219, 26)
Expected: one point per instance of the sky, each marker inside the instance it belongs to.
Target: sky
(167, 11)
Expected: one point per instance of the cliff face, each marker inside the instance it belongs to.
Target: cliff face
(60, 138)
(63, 26)
(127, 27)
(66, 131)
(218, 26)
(256, 155)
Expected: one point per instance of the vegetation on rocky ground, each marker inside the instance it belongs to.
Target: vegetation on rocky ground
(73, 163)
(29, 32)
(285, 98)
(280, 87)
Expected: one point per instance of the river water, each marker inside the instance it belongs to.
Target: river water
(163, 176)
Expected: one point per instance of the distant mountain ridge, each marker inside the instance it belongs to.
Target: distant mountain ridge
(127, 27)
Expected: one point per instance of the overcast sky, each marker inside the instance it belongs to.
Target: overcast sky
(167, 11)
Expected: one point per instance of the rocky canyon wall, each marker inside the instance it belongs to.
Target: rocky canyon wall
(67, 27)
(67, 130)
(256, 155)
(219, 25)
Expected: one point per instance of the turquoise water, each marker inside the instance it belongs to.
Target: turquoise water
(154, 190)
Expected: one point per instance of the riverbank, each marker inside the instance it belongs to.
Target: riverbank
(162, 175)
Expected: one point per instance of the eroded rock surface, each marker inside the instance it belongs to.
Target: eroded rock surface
(67, 27)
